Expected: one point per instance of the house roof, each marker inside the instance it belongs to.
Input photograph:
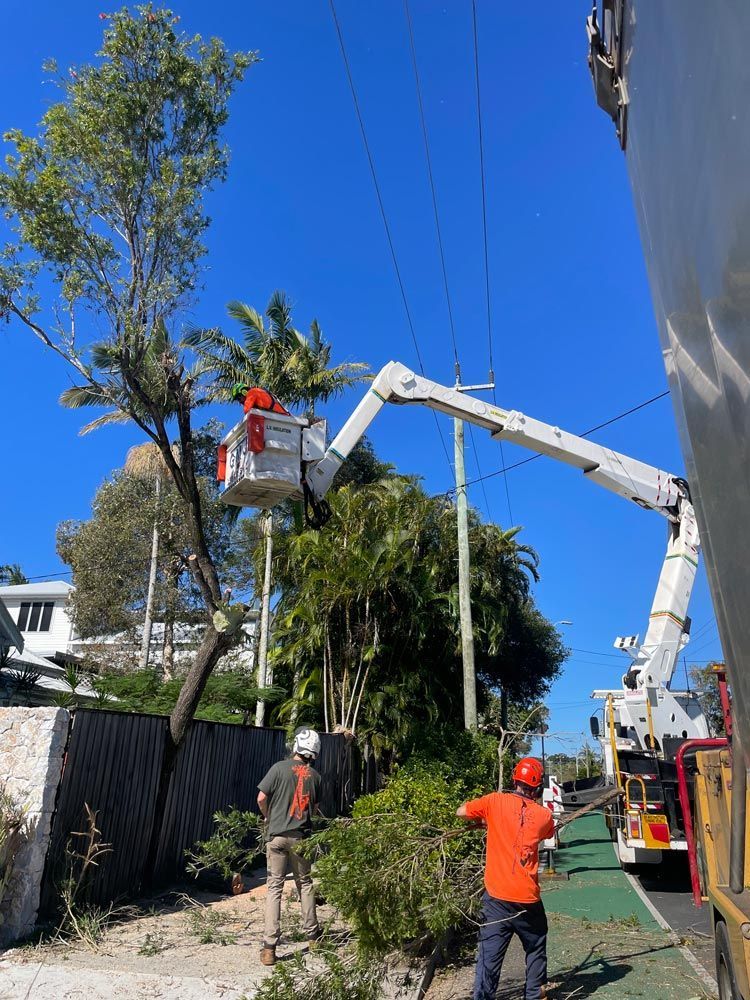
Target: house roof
(49, 588)
(9, 634)
(50, 677)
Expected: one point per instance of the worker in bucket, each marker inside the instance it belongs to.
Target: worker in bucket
(512, 904)
(288, 798)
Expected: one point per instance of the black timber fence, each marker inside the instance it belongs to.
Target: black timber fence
(113, 763)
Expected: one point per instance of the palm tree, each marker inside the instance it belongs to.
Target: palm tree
(157, 358)
(293, 367)
(12, 575)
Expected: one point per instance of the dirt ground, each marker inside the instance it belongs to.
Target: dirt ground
(192, 945)
(175, 947)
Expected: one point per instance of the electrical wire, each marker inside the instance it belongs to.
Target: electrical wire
(439, 234)
(488, 297)
(433, 192)
(50, 576)
(381, 206)
(484, 190)
(479, 470)
(583, 434)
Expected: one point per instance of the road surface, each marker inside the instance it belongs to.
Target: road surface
(668, 889)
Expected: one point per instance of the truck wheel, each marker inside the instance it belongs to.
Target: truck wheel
(724, 966)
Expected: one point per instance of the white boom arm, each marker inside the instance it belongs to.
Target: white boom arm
(654, 660)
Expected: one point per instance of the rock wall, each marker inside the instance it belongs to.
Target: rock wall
(32, 747)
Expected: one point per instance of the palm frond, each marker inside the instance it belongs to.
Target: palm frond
(78, 396)
(105, 420)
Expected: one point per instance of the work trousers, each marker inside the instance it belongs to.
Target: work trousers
(280, 857)
(500, 921)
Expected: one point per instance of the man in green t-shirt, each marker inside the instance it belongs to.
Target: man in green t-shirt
(288, 797)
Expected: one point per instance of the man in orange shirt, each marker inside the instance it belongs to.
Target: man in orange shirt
(512, 903)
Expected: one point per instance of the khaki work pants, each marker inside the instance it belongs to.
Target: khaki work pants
(280, 856)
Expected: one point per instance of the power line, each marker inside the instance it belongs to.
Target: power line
(381, 206)
(479, 470)
(594, 652)
(484, 236)
(438, 232)
(591, 430)
(49, 576)
(484, 190)
(432, 185)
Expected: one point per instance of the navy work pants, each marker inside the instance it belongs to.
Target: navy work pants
(500, 921)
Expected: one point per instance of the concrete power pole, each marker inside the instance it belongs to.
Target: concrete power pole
(464, 582)
(464, 564)
(264, 680)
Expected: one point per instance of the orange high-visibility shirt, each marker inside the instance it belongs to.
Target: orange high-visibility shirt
(515, 825)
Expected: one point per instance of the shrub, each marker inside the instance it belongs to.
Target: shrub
(231, 848)
(402, 871)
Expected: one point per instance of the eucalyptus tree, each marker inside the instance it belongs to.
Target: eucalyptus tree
(106, 204)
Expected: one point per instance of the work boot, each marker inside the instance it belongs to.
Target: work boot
(315, 943)
(268, 955)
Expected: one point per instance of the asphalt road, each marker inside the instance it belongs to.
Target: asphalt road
(668, 888)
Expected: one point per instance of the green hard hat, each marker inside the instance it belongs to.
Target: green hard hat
(239, 389)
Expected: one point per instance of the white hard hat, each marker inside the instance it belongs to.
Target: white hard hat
(306, 743)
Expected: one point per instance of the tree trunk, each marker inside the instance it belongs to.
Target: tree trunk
(212, 648)
(296, 681)
(148, 619)
(265, 610)
(167, 654)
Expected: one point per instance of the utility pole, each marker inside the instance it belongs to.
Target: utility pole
(464, 582)
(264, 680)
(464, 565)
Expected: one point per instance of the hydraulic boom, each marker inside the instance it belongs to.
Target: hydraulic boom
(647, 712)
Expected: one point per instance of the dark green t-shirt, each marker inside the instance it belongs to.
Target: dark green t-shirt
(293, 791)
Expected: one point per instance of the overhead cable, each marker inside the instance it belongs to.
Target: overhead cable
(484, 236)
(438, 232)
(381, 206)
(591, 430)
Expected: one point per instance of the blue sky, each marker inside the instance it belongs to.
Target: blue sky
(575, 340)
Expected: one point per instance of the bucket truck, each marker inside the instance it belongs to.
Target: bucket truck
(674, 78)
(268, 457)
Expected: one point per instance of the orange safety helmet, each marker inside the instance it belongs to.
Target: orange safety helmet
(529, 771)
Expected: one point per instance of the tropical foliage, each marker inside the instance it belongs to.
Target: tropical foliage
(11, 575)
(368, 616)
(296, 368)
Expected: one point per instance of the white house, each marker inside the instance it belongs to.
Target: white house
(34, 625)
(40, 613)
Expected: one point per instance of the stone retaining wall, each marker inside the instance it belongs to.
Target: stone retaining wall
(32, 747)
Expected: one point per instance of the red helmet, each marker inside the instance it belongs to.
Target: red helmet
(529, 771)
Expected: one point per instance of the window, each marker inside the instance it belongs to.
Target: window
(36, 616)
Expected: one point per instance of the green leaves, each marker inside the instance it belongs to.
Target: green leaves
(295, 368)
(401, 870)
(107, 197)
